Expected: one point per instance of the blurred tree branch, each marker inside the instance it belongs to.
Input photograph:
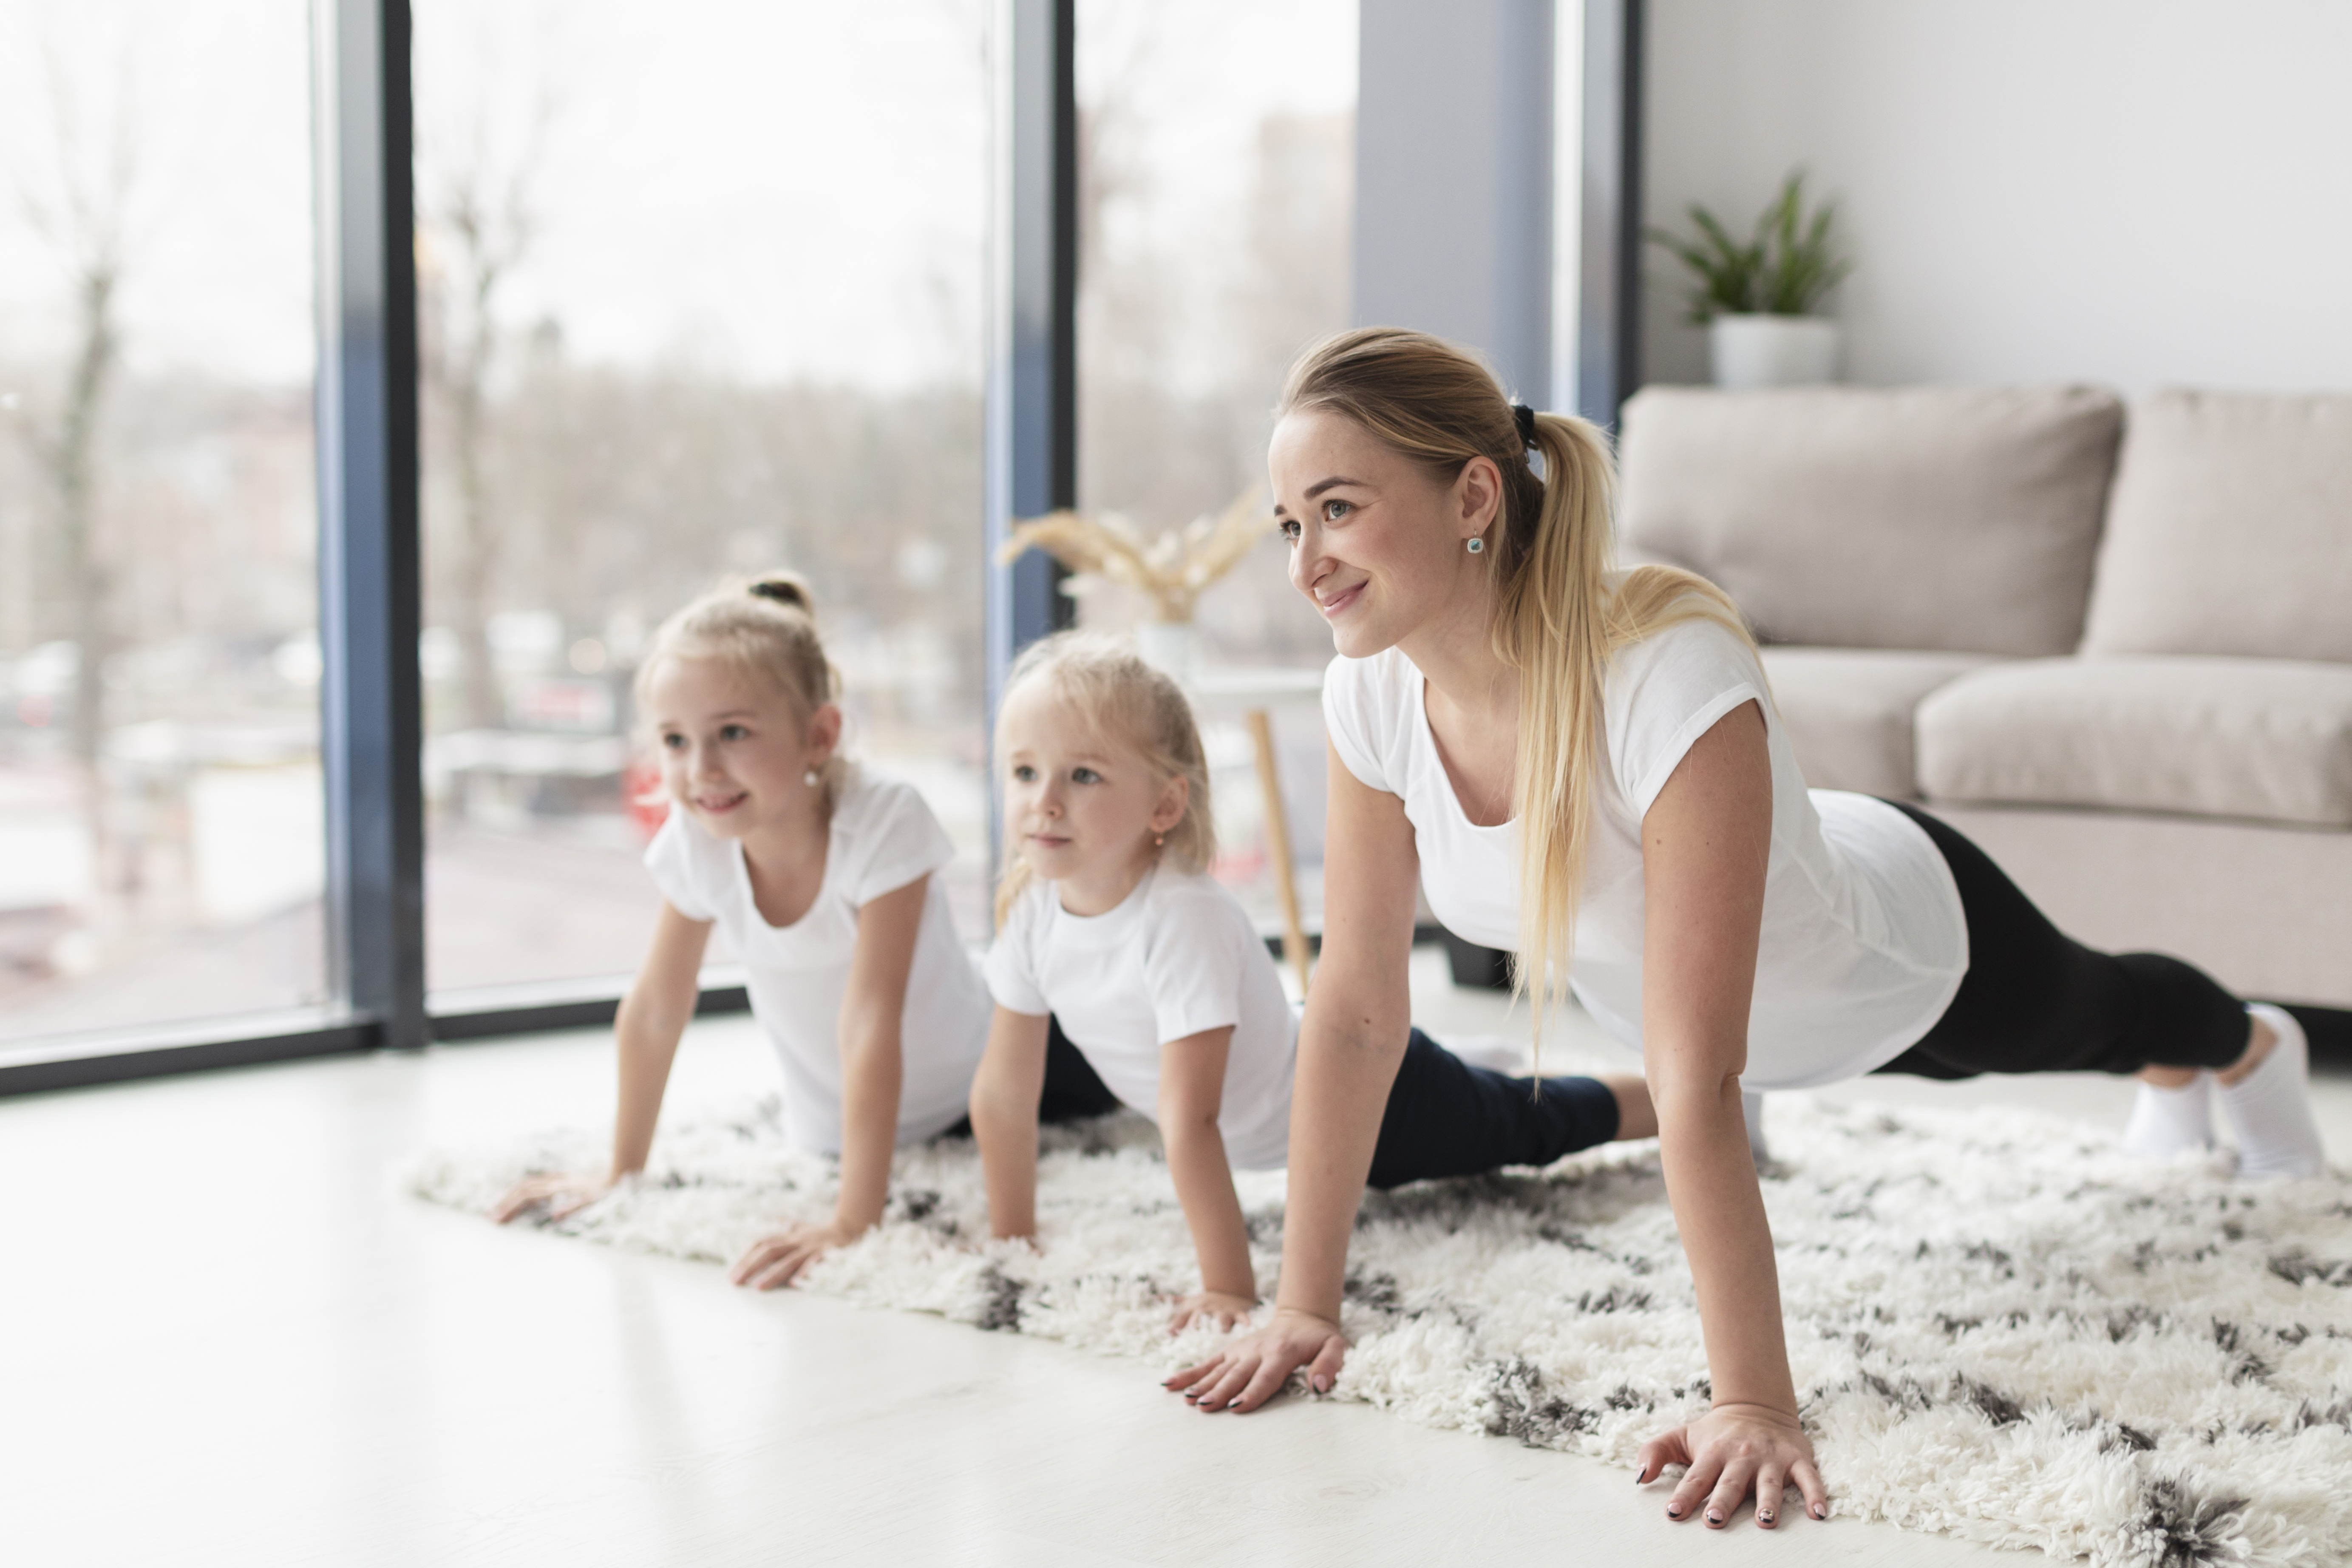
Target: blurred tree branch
(83, 210)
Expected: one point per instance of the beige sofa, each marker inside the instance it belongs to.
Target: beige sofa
(2112, 646)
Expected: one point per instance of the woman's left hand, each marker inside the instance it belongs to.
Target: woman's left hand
(1732, 1450)
(772, 1261)
(1219, 1307)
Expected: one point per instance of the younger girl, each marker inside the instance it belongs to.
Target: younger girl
(821, 873)
(1107, 922)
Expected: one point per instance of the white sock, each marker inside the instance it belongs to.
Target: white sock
(2169, 1122)
(2269, 1107)
(1751, 1105)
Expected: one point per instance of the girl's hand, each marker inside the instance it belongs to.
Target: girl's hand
(565, 1193)
(772, 1261)
(1203, 1305)
(1732, 1450)
(1252, 1370)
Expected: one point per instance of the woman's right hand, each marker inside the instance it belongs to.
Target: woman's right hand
(565, 1193)
(1252, 1369)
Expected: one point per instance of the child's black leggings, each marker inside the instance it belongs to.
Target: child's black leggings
(2033, 1000)
(1445, 1117)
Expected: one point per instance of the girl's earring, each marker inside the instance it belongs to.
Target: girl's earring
(1477, 546)
(811, 778)
(1158, 839)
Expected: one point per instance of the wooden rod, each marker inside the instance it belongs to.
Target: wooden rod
(1277, 843)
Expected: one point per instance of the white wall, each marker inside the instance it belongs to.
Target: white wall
(2139, 193)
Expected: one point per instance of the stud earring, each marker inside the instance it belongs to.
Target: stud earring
(811, 779)
(1476, 546)
(1158, 839)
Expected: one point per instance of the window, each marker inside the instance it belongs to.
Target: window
(160, 822)
(1217, 201)
(700, 293)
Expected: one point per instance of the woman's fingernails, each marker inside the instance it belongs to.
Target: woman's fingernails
(1820, 1511)
(1674, 1511)
(1322, 1383)
(1715, 1516)
(1764, 1518)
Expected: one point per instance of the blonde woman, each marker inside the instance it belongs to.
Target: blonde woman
(1585, 766)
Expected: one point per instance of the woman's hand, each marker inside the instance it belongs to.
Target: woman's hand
(1203, 1305)
(772, 1261)
(565, 1193)
(1732, 1450)
(1252, 1370)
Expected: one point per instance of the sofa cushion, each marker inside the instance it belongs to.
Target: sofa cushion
(2230, 531)
(2266, 739)
(1940, 518)
(1847, 711)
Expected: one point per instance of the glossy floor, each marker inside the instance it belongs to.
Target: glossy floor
(225, 1338)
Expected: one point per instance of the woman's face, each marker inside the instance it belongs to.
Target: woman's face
(1377, 541)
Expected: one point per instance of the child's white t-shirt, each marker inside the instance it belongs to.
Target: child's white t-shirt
(1863, 940)
(1178, 955)
(882, 838)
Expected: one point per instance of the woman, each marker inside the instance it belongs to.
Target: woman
(1570, 760)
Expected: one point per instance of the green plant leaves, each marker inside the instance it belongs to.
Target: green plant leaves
(1784, 270)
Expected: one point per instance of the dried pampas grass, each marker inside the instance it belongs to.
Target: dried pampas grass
(1172, 568)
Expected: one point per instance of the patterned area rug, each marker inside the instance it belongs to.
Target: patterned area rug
(2002, 1329)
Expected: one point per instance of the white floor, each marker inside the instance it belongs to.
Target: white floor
(224, 1339)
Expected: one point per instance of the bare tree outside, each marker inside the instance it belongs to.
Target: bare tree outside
(81, 205)
(479, 222)
(160, 850)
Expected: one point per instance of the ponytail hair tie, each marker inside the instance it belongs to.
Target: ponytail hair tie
(1525, 417)
(781, 590)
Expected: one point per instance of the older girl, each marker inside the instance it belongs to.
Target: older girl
(823, 874)
(1570, 761)
(1109, 928)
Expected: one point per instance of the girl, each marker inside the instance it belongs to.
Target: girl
(1109, 928)
(1571, 761)
(822, 874)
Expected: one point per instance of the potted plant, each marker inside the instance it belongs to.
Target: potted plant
(1756, 298)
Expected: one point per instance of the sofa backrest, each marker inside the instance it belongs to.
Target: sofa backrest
(1942, 518)
(2230, 529)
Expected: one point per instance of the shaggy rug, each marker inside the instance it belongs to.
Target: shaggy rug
(2001, 1329)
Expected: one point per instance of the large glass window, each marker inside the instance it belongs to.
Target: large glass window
(700, 290)
(1217, 206)
(161, 844)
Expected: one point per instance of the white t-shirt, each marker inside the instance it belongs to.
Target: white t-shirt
(1177, 956)
(883, 836)
(1863, 940)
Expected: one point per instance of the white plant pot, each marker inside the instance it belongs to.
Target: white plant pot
(1772, 351)
(1173, 647)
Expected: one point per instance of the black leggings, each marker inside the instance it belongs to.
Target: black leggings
(1446, 1118)
(2034, 1000)
(1073, 1090)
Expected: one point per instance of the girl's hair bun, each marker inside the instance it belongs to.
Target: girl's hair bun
(785, 588)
